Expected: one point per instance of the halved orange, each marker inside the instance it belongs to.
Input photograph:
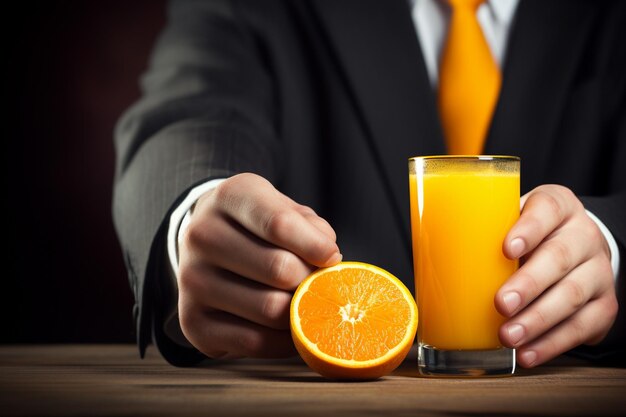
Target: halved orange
(353, 321)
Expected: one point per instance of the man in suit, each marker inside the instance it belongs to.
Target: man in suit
(273, 138)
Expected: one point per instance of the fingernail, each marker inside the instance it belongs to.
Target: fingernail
(529, 358)
(516, 332)
(517, 247)
(511, 300)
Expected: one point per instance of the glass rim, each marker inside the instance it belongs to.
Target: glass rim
(467, 157)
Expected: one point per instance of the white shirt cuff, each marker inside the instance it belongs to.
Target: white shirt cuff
(611, 242)
(179, 219)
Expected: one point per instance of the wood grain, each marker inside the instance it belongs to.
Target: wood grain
(111, 380)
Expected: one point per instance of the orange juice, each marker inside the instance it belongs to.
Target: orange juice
(461, 212)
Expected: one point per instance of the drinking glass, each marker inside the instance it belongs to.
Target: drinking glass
(462, 207)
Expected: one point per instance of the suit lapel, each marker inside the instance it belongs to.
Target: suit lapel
(377, 52)
(543, 52)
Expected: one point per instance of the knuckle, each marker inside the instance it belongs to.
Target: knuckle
(575, 294)
(553, 205)
(184, 320)
(250, 343)
(532, 223)
(331, 232)
(274, 307)
(611, 307)
(208, 340)
(591, 229)
(278, 268)
(601, 276)
(530, 286)
(578, 330)
(188, 279)
(198, 287)
(205, 240)
(225, 196)
(605, 271)
(553, 190)
(278, 224)
(564, 191)
(224, 191)
(540, 319)
(323, 248)
(188, 319)
(560, 255)
(195, 236)
(552, 347)
(597, 240)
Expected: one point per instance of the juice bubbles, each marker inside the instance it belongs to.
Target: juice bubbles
(461, 211)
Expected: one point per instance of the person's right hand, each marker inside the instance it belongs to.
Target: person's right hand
(246, 249)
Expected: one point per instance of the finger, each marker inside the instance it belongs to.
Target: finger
(268, 214)
(244, 298)
(229, 246)
(588, 325)
(549, 262)
(544, 210)
(217, 332)
(558, 303)
(319, 222)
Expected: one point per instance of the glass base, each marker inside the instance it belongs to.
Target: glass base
(465, 363)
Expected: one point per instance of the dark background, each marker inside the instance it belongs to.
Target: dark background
(73, 68)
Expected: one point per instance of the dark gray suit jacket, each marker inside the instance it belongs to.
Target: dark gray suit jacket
(328, 98)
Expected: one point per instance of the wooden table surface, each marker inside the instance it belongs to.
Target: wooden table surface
(111, 380)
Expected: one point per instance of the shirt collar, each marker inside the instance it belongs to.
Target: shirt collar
(503, 10)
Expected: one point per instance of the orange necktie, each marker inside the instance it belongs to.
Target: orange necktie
(469, 82)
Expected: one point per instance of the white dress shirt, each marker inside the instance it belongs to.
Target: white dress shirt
(431, 19)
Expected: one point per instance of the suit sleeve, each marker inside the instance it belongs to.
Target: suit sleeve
(611, 209)
(205, 112)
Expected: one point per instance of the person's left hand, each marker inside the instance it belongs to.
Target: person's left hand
(563, 294)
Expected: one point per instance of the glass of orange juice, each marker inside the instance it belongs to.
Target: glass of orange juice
(462, 207)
